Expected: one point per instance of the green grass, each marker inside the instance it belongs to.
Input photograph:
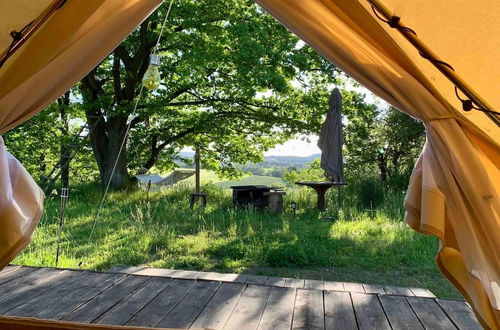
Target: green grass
(369, 246)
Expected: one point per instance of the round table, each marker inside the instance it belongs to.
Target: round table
(320, 187)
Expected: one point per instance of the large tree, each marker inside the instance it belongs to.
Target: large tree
(381, 138)
(235, 83)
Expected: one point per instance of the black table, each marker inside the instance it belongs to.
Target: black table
(320, 187)
(253, 196)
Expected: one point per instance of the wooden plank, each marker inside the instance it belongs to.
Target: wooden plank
(28, 278)
(60, 290)
(294, 283)
(186, 274)
(460, 314)
(162, 304)
(14, 274)
(223, 277)
(373, 288)
(420, 292)
(219, 308)
(309, 310)
(339, 313)
(9, 268)
(369, 312)
(335, 286)
(120, 313)
(188, 309)
(59, 308)
(278, 312)
(29, 290)
(430, 314)
(398, 291)
(276, 281)
(256, 279)
(156, 272)
(399, 313)
(314, 285)
(125, 269)
(249, 309)
(94, 308)
(353, 287)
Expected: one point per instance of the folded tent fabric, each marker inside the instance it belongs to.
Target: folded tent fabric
(61, 52)
(454, 189)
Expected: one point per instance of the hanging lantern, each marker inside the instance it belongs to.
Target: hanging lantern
(152, 78)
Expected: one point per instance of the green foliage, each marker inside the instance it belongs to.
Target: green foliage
(371, 193)
(383, 140)
(37, 143)
(361, 246)
(311, 173)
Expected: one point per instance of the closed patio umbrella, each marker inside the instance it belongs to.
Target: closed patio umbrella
(330, 140)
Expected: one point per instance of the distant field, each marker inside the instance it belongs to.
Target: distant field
(253, 180)
(211, 177)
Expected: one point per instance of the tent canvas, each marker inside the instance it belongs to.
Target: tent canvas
(454, 189)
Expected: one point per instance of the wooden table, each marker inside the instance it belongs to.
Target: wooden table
(320, 187)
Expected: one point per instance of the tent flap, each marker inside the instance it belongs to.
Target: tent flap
(453, 192)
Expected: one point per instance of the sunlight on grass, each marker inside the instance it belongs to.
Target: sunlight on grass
(370, 246)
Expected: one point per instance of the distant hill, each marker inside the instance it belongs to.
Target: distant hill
(286, 161)
(275, 161)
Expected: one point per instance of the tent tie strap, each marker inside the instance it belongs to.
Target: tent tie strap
(394, 22)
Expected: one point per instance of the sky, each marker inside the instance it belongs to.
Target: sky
(296, 147)
(301, 147)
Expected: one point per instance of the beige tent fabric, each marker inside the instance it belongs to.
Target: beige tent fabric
(70, 44)
(16, 15)
(454, 190)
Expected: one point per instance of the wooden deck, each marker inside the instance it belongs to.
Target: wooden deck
(186, 299)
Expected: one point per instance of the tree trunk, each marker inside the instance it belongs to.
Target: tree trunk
(382, 165)
(107, 138)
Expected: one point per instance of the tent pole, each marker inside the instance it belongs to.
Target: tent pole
(197, 168)
(437, 62)
(62, 211)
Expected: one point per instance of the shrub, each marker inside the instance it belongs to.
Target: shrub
(370, 193)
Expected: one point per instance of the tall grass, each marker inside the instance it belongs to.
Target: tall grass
(363, 244)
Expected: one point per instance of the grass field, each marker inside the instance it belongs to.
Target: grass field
(210, 177)
(369, 246)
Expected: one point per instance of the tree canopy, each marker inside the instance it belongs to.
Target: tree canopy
(235, 83)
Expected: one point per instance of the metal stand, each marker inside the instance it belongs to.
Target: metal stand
(62, 211)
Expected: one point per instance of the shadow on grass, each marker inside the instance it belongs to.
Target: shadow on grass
(372, 246)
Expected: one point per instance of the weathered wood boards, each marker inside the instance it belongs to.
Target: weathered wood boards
(155, 298)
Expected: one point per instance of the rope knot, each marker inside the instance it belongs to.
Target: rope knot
(467, 105)
(394, 22)
(16, 35)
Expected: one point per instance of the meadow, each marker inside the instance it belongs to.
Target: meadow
(369, 245)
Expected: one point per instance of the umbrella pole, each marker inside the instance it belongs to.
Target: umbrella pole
(340, 201)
